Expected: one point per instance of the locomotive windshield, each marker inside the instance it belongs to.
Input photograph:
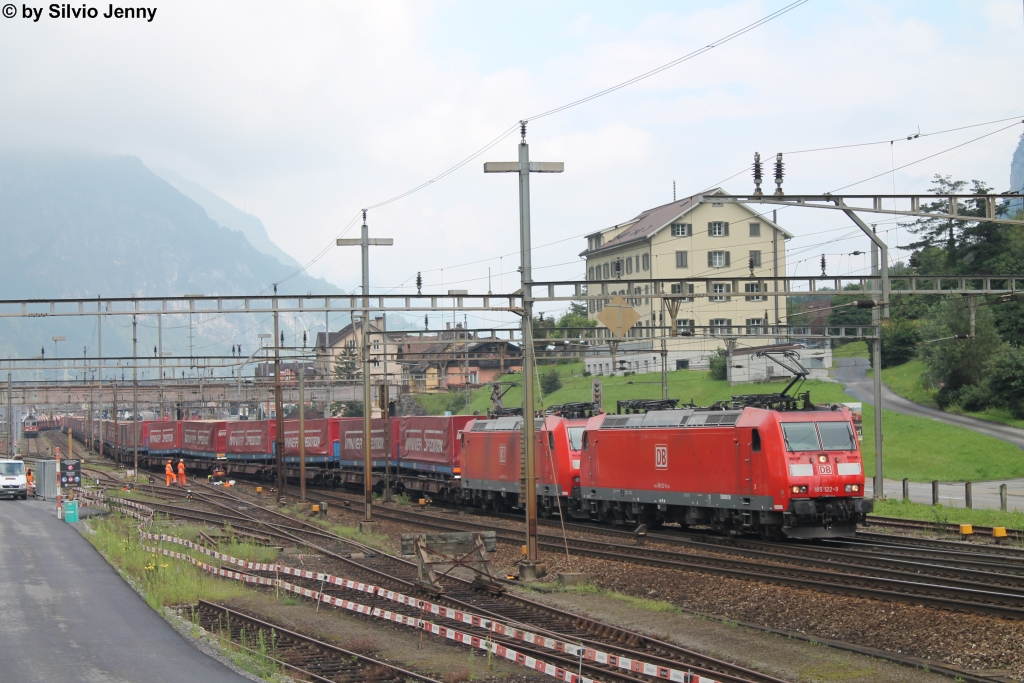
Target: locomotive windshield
(836, 436)
(802, 436)
(576, 438)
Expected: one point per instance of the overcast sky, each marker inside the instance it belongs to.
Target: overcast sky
(305, 112)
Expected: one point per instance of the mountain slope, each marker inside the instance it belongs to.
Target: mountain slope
(85, 226)
(228, 215)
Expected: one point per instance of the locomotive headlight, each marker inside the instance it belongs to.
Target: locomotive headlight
(822, 458)
(856, 487)
(849, 488)
(799, 489)
(576, 480)
(796, 489)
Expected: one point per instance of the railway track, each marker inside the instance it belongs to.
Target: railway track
(938, 527)
(398, 574)
(952, 588)
(295, 653)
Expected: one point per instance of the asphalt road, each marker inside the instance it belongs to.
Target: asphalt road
(852, 372)
(66, 615)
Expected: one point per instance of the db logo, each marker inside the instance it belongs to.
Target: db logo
(502, 455)
(661, 457)
(824, 469)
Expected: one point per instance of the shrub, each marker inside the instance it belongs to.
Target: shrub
(717, 364)
(899, 342)
(550, 382)
(1006, 380)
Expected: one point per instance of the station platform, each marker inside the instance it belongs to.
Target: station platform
(66, 615)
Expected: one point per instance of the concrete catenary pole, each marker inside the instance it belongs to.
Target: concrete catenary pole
(282, 479)
(527, 570)
(135, 398)
(364, 242)
(302, 432)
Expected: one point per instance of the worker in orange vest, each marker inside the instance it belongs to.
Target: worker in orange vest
(181, 472)
(169, 473)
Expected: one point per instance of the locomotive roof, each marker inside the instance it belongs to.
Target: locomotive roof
(687, 417)
(504, 424)
(691, 417)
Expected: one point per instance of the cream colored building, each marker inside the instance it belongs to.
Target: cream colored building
(683, 241)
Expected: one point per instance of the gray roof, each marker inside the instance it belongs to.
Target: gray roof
(652, 220)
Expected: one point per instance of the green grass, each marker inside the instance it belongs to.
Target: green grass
(948, 515)
(907, 380)
(164, 581)
(643, 604)
(857, 349)
(917, 448)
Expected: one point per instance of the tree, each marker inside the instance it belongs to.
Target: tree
(550, 382)
(347, 408)
(576, 316)
(957, 363)
(935, 231)
(899, 342)
(1006, 379)
(346, 364)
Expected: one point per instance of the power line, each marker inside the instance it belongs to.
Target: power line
(511, 129)
(900, 139)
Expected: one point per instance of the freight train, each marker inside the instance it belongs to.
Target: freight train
(773, 465)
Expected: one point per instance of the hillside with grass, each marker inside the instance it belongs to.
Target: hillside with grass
(916, 448)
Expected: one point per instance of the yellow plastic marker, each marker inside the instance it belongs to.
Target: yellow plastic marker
(966, 529)
(525, 551)
(259, 489)
(999, 532)
(423, 502)
(316, 508)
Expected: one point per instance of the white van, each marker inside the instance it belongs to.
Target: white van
(12, 479)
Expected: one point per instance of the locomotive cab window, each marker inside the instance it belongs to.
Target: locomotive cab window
(755, 441)
(551, 440)
(837, 436)
(586, 442)
(800, 436)
(575, 437)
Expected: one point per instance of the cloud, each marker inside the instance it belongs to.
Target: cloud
(306, 113)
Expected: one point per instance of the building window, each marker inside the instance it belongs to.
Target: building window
(721, 326)
(590, 273)
(718, 259)
(684, 326)
(755, 229)
(753, 287)
(629, 264)
(718, 229)
(683, 364)
(647, 261)
(647, 290)
(682, 259)
(681, 230)
(755, 258)
(605, 267)
(376, 362)
(594, 242)
(677, 288)
(757, 326)
(719, 290)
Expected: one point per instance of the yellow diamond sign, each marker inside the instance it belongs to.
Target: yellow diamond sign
(618, 316)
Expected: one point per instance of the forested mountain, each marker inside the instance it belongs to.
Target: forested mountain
(92, 225)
